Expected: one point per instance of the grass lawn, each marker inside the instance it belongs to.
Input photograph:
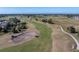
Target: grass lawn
(43, 43)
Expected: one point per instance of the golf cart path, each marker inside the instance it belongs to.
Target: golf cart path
(61, 42)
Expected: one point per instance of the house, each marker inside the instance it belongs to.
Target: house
(75, 17)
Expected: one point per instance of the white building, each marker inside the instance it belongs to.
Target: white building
(76, 17)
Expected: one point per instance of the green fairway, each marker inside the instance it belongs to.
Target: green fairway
(43, 43)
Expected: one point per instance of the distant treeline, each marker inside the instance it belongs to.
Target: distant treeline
(68, 15)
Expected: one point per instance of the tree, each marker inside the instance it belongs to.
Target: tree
(5, 29)
(0, 28)
(15, 29)
(69, 16)
(14, 20)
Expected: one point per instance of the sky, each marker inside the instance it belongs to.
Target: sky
(39, 10)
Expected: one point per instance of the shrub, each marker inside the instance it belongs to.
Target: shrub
(78, 34)
(36, 19)
(50, 21)
(23, 25)
(71, 29)
(44, 20)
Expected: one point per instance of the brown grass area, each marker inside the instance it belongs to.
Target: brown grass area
(60, 41)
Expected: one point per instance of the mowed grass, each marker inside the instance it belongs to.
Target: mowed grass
(43, 43)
